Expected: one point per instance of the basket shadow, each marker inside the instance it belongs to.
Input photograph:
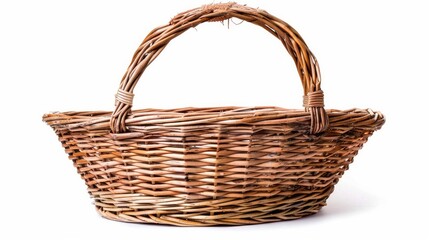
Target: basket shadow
(345, 200)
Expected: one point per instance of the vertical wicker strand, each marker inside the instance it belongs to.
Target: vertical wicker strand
(186, 165)
(219, 134)
(248, 158)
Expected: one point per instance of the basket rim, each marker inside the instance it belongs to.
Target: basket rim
(230, 115)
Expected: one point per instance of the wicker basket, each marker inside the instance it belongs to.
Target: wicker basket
(214, 166)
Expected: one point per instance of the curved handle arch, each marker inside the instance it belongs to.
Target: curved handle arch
(157, 40)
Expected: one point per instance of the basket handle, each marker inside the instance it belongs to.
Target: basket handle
(157, 40)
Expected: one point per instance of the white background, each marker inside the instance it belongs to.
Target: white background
(70, 55)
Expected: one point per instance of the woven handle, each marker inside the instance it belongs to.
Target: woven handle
(158, 39)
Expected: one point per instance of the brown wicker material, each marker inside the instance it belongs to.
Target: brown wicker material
(214, 166)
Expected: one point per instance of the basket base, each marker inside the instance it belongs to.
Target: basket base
(225, 211)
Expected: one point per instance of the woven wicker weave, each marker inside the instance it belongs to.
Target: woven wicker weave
(214, 166)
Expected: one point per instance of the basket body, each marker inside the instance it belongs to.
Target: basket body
(212, 166)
